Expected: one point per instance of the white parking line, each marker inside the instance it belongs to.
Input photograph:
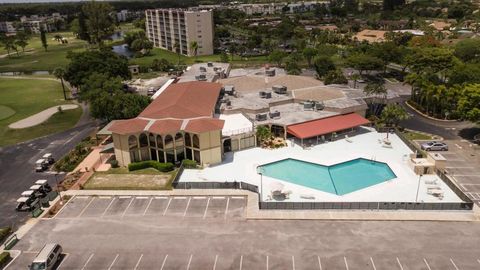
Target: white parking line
(138, 262)
(164, 261)
(86, 206)
(373, 264)
(238, 197)
(141, 198)
(206, 208)
(186, 208)
(161, 198)
(148, 205)
(319, 263)
(104, 197)
(226, 207)
(189, 261)
(130, 203)
(106, 209)
(267, 262)
(113, 262)
(345, 260)
(215, 263)
(454, 265)
(478, 260)
(124, 197)
(199, 197)
(241, 262)
(293, 262)
(168, 204)
(218, 198)
(399, 264)
(88, 260)
(426, 263)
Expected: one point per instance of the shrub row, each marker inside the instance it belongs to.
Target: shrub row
(162, 167)
(4, 233)
(4, 259)
(189, 164)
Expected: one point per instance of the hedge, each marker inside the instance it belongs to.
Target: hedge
(4, 259)
(163, 167)
(189, 164)
(4, 233)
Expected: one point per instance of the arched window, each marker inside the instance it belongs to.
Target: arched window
(168, 142)
(143, 140)
(151, 139)
(159, 141)
(132, 142)
(188, 140)
(196, 141)
(178, 140)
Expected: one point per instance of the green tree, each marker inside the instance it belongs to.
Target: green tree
(59, 73)
(43, 38)
(176, 47)
(335, 77)
(224, 57)
(83, 64)
(277, 57)
(364, 62)
(308, 54)
(376, 95)
(392, 114)
(464, 74)
(100, 23)
(388, 52)
(8, 43)
(161, 65)
(22, 39)
(194, 48)
(390, 5)
(469, 103)
(263, 133)
(468, 50)
(323, 65)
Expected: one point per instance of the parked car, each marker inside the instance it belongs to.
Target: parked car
(434, 146)
(47, 257)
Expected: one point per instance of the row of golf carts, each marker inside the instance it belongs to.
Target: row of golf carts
(43, 163)
(30, 198)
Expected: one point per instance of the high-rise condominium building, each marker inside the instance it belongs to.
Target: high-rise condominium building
(167, 27)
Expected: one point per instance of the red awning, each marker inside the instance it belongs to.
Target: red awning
(326, 125)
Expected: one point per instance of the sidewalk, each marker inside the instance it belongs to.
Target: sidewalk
(253, 212)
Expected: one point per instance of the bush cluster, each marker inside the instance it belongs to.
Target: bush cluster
(162, 167)
(189, 164)
(4, 232)
(4, 259)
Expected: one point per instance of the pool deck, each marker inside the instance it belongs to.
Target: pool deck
(241, 166)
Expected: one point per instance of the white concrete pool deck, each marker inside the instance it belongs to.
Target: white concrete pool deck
(241, 166)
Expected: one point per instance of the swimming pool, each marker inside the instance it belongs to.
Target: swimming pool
(340, 179)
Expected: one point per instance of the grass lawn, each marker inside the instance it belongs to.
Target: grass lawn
(122, 179)
(36, 58)
(411, 135)
(27, 97)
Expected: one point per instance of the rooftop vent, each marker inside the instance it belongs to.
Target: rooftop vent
(319, 106)
(201, 77)
(203, 69)
(308, 105)
(275, 114)
(229, 90)
(262, 94)
(279, 89)
(268, 95)
(261, 117)
(210, 64)
(270, 72)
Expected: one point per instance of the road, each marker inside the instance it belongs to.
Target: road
(17, 166)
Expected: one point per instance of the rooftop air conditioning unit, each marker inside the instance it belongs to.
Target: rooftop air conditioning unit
(275, 114)
(262, 94)
(279, 89)
(203, 69)
(270, 72)
(201, 77)
(261, 117)
(268, 95)
(210, 64)
(319, 106)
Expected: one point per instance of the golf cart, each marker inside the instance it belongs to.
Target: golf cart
(38, 191)
(45, 186)
(49, 158)
(24, 204)
(41, 165)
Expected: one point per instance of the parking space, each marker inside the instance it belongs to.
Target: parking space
(250, 261)
(204, 207)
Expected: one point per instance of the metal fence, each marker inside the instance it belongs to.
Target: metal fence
(449, 182)
(216, 185)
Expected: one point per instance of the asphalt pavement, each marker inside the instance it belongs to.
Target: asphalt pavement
(17, 168)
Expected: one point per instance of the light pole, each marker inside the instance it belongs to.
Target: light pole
(418, 186)
(58, 189)
(259, 171)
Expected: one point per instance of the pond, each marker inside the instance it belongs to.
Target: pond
(123, 50)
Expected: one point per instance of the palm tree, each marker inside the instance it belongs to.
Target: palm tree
(194, 49)
(355, 77)
(59, 73)
(176, 47)
(392, 114)
(374, 90)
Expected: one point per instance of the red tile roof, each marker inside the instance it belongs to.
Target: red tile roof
(165, 126)
(204, 125)
(129, 126)
(326, 125)
(184, 100)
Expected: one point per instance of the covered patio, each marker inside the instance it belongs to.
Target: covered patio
(325, 129)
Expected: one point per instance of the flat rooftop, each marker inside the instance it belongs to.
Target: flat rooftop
(292, 113)
(203, 68)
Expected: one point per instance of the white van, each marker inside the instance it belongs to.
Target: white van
(47, 257)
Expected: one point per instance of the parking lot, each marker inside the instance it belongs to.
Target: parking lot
(203, 207)
(210, 232)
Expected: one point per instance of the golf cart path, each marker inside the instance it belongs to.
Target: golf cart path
(40, 117)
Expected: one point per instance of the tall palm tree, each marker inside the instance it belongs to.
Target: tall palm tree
(176, 47)
(194, 49)
(59, 73)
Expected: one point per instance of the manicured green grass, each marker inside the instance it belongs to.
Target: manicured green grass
(122, 179)
(411, 135)
(57, 123)
(30, 96)
(6, 112)
(36, 58)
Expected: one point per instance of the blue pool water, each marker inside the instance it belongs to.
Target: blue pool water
(340, 179)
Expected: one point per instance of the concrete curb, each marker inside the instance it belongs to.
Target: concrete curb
(253, 212)
(14, 254)
(427, 116)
